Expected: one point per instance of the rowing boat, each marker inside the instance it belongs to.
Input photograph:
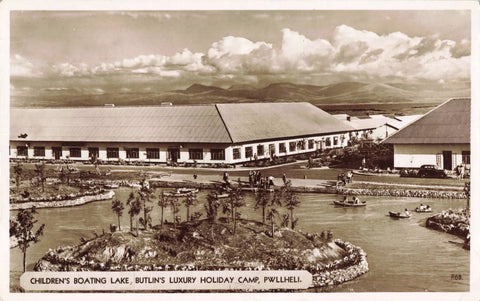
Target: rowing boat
(347, 204)
(397, 214)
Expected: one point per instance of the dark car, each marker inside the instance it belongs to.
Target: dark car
(431, 171)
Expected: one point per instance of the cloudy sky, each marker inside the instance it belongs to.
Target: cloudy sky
(104, 51)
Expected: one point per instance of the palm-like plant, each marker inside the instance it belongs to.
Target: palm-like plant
(174, 203)
(189, 201)
(236, 201)
(291, 201)
(271, 215)
(22, 229)
(17, 169)
(117, 208)
(211, 208)
(40, 171)
(146, 195)
(163, 202)
(135, 207)
(262, 199)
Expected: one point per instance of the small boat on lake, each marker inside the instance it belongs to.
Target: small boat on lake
(110, 186)
(350, 204)
(222, 195)
(256, 189)
(396, 214)
(421, 209)
(182, 192)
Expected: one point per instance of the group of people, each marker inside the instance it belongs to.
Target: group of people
(354, 200)
(345, 178)
(423, 207)
(255, 179)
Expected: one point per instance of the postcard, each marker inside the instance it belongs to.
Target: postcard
(246, 150)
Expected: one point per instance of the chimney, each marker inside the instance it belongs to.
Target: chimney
(348, 117)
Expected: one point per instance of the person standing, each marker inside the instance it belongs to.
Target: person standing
(284, 178)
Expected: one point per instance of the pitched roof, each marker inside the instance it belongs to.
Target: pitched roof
(447, 123)
(260, 121)
(120, 124)
(221, 123)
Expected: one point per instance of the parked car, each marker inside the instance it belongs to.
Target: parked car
(431, 171)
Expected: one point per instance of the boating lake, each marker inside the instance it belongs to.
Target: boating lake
(403, 255)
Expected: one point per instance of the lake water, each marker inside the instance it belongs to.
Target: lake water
(403, 255)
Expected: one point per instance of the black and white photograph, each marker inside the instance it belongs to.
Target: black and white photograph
(236, 149)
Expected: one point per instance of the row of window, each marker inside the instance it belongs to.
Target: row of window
(113, 152)
(292, 146)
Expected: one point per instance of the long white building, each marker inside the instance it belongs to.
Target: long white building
(218, 133)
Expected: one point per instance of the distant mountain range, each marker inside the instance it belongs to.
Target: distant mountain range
(343, 93)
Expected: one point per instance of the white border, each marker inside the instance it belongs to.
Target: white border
(7, 5)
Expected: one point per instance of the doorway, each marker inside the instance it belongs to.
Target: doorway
(173, 154)
(57, 152)
(447, 160)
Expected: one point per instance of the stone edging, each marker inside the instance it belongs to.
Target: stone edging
(64, 203)
(403, 193)
(341, 275)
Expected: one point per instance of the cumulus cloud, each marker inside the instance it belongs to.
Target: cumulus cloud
(68, 70)
(20, 66)
(357, 53)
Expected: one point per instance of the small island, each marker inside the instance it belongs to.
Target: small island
(203, 245)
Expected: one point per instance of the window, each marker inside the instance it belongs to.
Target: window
(22, 151)
(39, 151)
(75, 152)
(282, 148)
(248, 152)
(153, 153)
(335, 140)
(217, 154)
(260, 150)
(132, 153)
(301, 145)
(310, 144)
(196, 153)
(292, 146)
(236, 153)
(112, 152)
(93, 152)
(466, 157)
(328, 142)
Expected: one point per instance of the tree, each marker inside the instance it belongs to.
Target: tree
(174, 203)
(188, 201)
(291, 201)
(262, 199)
(163, 202)
(117, 208)
(135, 207)
(22, 229)
(285, 220)
(236, 201)
(467, 193)
(211, 208)
(272, 213)
(40, 171)
(146, 194)
(17, 169)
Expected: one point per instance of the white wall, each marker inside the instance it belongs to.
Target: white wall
(415, 155)
(184, 149)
